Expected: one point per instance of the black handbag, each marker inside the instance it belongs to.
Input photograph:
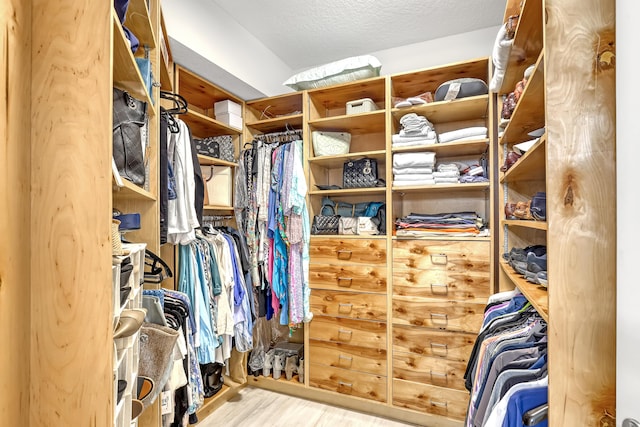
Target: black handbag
(325, 224)
(129, 118)
(208, 147)
(360, 173)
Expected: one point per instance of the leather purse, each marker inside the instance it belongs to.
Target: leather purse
(208, 147)
(325, 224)
(330, 143)
(129, 121)
(461, 88)
(362, 173)
(348, 225)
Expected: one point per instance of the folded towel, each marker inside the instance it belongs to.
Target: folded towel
(446, 180)
(414, 143)
(416, 183)
(423, 131)
(424, 159)
(455, 167)
(477, 131)
(448, 174)
(409, 171)
(413, 177)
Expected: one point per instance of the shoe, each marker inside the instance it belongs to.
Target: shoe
(301, 371)
(291, 367)
(212, 379)
(539, 206)
(511, 158)
(129, 322)
(508, 210)
(541, 277)
(122, 386)
(422, 99)
(124, 295)
(278, 365)
(268, 363)
(136, 408)
(126, 268)
(523, 210)
(144, 387)
(536, 263)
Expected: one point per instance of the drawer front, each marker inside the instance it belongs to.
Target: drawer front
(449, 315)
(348, 251)
(432, 399)
(348, 304)
(450, 256)
(345, 356)
(360, 333)
(430, 342)
(468, 286)
(429, 370)
(363, 278)
(359, 384)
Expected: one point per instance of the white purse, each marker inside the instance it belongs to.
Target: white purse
(330, 143)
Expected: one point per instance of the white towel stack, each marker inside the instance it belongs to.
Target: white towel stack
(416, 130)
(447, 173)
(465, 134)
(413, 168)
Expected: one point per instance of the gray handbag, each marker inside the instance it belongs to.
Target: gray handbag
(129, 122)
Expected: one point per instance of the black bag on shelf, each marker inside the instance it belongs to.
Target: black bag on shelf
(362, 173)
(325, 224)
(129, 118)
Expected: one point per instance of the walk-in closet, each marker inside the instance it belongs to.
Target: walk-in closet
(297, 219)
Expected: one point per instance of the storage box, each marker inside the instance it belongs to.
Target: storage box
(230, 119)
(217, 185)
(363, 105)
(227, 106)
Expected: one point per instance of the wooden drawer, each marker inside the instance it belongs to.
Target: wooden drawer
(348, 304)
(432, 399)
(429, 370)
(362, 333)
(348, 277)
(345, 356)
(353, 383)
(348, 251)
(468, 286)
(430, 342)
(450, 256)
(449, 315)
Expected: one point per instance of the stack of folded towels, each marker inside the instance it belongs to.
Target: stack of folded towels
(447, 173)
(416, 130)
(414, 168)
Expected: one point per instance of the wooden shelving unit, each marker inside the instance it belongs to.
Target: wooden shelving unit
(537, 295)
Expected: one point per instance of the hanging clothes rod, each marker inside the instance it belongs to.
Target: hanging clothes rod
(279, 137)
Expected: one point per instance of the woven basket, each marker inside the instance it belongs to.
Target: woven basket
(116, 242)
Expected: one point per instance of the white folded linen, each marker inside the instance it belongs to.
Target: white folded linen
(454, 135)
(412, 177)
(416, 183)
(446, 180)
(425, 159)
(414, 143)
(422, 132)
(448, 174)
(409, 171)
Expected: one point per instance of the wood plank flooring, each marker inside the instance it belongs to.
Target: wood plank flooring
(255, 407)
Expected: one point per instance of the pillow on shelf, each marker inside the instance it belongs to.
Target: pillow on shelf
(343, 71)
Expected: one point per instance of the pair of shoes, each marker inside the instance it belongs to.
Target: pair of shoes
(129, 322)
(539, 206)
(517, 258)
(144, 387)
(212, 379)
(268, 363)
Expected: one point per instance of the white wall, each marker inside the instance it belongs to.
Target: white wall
(205, 39)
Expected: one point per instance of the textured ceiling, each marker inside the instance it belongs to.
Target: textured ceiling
(306, 33)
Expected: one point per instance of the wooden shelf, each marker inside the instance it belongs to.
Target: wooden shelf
(277, 124)
(165, 78)
(343, 236)
(126, 75)
(206, 160)
(537, 295)
(440, 188)
(166, 59)
(214, 402)
(473, 107)
(447, 238)
(200, 92)
(139, 22)
(361, 123)
(529, 113)
(218, 208)
(327, 102)
(531, 166)
(132, 191)
(203, 126)
(536, 225)
(338, 161)
(348, 191)
(450, 149)
(527, 43)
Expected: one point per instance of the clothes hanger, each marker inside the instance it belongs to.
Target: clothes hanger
(158, 270)
(180, 103)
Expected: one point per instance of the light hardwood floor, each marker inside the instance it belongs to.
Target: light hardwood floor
(255, 407)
